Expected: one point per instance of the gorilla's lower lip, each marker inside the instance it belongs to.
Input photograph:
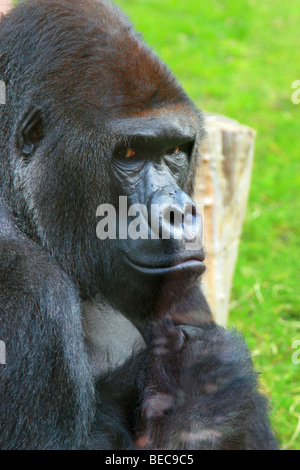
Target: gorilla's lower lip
(185, 265)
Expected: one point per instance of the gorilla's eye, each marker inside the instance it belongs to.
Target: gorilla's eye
(125, 153)
(175, 150)
(186, 148)
(130, 153)
(31, 133)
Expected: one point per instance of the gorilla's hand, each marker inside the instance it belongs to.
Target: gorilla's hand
(199, 390)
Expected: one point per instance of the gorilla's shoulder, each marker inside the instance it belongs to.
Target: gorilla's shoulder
(11, 243)
(23, 263)
(8, 228)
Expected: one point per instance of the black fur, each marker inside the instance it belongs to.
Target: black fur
(81, 85)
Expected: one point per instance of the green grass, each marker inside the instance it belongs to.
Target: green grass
(239, 58)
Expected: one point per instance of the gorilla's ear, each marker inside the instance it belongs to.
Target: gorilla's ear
(30, 132)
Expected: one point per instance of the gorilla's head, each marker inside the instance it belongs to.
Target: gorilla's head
(92, 114)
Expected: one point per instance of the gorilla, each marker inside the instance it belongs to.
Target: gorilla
(110, 343)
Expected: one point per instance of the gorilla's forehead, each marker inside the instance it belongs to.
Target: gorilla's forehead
(180, 121)
(113, 79)
(130, 83)
(86, 56)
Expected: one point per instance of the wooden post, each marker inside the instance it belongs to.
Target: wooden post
(5, 5)
(222, 188)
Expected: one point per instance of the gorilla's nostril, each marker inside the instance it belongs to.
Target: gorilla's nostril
(190, 214)
(174, 216)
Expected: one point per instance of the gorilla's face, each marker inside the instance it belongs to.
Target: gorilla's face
(111, 208)
(150, 166)
(100, 123)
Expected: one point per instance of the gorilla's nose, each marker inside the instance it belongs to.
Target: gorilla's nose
(173, 214)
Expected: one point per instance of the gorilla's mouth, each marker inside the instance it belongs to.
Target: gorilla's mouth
(181, 264)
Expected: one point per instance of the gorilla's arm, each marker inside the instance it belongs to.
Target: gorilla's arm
(45, 387)
(204, 395)
(194, 389)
